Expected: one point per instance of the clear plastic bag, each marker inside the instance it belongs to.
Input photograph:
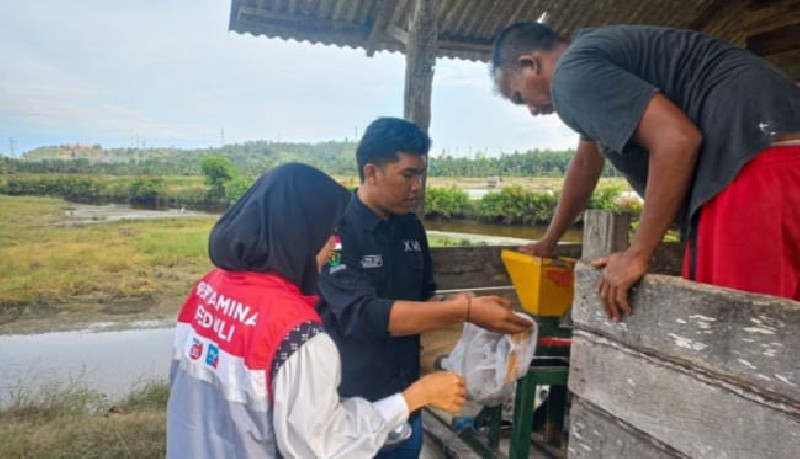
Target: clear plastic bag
(491, 362)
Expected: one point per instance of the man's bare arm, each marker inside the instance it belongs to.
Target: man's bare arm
(582, 177)
(674, 143)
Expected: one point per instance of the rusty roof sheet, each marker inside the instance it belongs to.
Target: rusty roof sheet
(467, 27)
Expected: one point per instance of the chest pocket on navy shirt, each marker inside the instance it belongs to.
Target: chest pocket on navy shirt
(373, 263)
(410, 278)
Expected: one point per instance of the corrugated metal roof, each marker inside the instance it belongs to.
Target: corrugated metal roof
(467, 27)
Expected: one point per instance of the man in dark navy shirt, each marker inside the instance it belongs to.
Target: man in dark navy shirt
(379, 295)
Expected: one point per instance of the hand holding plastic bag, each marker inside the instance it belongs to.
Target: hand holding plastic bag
(491, 362)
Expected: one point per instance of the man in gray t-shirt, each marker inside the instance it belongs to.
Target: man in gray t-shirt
(678, 112)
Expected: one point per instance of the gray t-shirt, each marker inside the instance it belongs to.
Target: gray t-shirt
(604, 81)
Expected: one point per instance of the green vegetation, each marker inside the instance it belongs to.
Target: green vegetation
(168, 191)
(212, 178)
(448, 203)
(218, 171)
(70, 420)
(253, 158)
(535, 163)
(516, 204)
(146, 190)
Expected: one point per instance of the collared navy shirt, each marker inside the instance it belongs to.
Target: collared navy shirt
(381, 261)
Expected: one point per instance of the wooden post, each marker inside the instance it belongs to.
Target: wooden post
(420, 61)
(605, 232)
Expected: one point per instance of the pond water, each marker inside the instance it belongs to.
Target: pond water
(89, 213)
(85, 213)
(113, 362)
(477, 193)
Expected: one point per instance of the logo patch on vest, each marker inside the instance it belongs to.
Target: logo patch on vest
(212, 358)
(372, 261)
(197, 349)
(335, 258)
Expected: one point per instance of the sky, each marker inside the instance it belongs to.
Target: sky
(159, 73)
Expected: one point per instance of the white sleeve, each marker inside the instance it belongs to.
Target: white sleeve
(311, 421)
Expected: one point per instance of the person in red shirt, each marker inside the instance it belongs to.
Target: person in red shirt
(254, 374)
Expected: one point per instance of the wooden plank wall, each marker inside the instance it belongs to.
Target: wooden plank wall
(696, 371)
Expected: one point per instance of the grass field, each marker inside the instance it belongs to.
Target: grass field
(73, 421)
(58, 275)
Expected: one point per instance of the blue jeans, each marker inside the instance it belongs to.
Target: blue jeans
(408, 449)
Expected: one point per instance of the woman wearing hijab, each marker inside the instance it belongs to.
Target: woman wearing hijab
(253, 372)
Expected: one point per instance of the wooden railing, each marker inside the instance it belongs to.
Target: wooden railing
(696, 371)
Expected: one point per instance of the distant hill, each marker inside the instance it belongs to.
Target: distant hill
(253, 158)
(96, 153)
(334, 157)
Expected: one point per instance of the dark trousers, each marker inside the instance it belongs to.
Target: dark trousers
(408, 449)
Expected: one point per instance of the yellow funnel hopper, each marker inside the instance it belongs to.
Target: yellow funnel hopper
(545, 286)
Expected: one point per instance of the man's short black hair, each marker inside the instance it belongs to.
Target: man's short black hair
(385, 138)
(521, 38)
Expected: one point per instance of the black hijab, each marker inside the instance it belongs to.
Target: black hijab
(280, 224)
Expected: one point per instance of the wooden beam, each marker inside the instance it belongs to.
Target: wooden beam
(788, 61)
(763, 16)
(420, 61)
(465, 44)
(337, 9)
(401, 35)
(775, 41)
(605, 232)
(785, 59)
(759, 4)
(704, 18)
(444, 42)
(233, 16)
(794, 73)
(382, 17)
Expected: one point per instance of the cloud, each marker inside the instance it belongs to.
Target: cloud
(169, 70)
